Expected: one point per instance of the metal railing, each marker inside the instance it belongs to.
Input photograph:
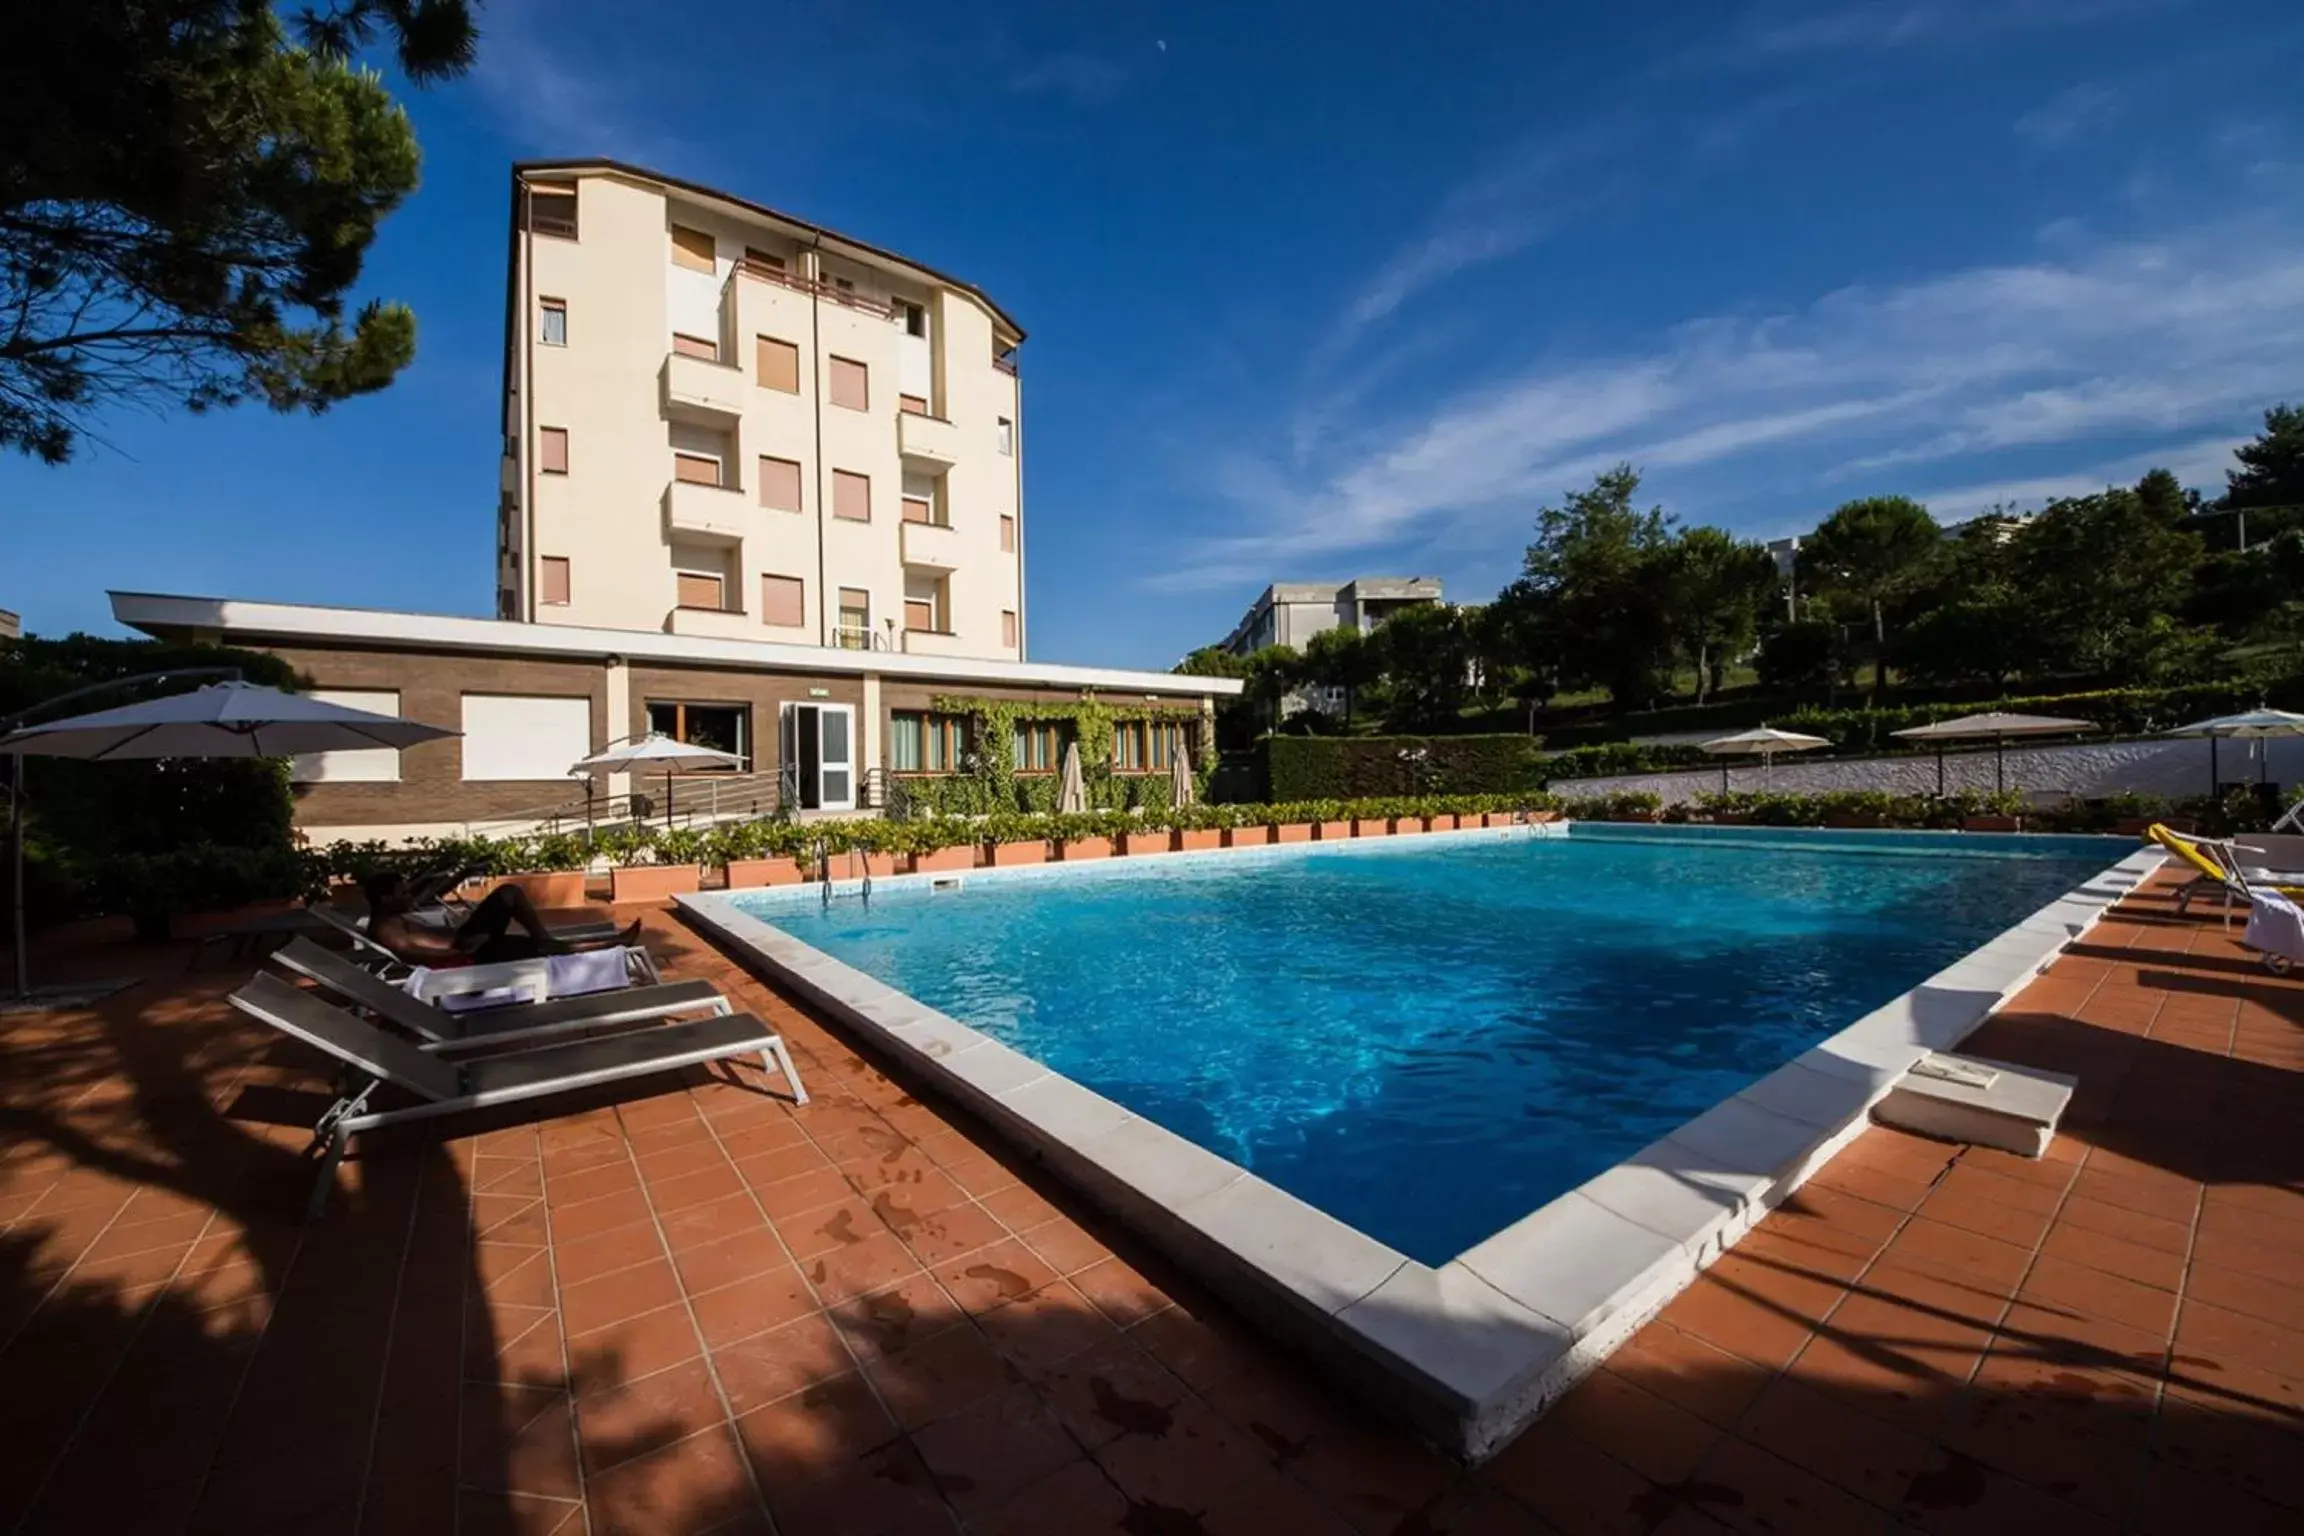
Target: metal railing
(847, 298)
(858, 637)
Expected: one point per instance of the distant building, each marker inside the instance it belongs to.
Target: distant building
(11, 627)
(1291, 613)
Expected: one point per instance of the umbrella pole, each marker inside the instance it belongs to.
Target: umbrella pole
(1939, 770)
(16, 875)
(1723, 775)
(2214, 778)
(1999, 763)
(667, 799)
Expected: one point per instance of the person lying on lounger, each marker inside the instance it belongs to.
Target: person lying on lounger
(483, 938)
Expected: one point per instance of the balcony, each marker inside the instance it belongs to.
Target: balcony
(718, 624)
(928, 438)
(930, 544)
(695, 386)
(708, 511)
(934, 642)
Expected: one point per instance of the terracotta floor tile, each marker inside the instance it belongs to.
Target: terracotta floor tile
(885, 1321)
(775, 1164)
(1047, 1326)
(1573, 1487)
(2220, 1334)
(1018, 1205)
(1111, 1390)
(1201, 1351)
(1752, 1490)
(1684, 1370)
(2174, 1237)
(716, 1181)
(1121, 1291)
(855, 1269)
(791, 1195)
(518, 1440)
(694, 1484)
(1956, 1494)
(982, 1455)
(766, 1300)
(1076, 1500)
(766, 1366)
(822, 1429)
(2239, 1291)
(1862, 1455)
(591, 1182)
(639, 1417)
(827, 1228)
(947, 1234)
(709, 1266)
(1188, 1465)
(2155, 1267)
(1661, 1442)
(2059, 1283)
(939, 1376)
(1951, 1250)
(711, 1220)
(637, 1346)
(2178, 1502)
(887, 1493)
(1730, 1319)
(2170, 1200)
(996, 1275)
(618, 1295)
(2024, 1437)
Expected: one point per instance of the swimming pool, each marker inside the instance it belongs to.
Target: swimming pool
(1428, 1038)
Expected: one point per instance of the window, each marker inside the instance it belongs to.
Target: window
(1007, 437)
(1147, 746)
(552, 322)
(518, 736)
(695, 469)
(915, 318)
(552, 450)
(851, 384)
(851, 496)
(1008, 628)
(691, 248)
(361, 764)
(553, 212)
(844, 284)
(700, 589)
(1008, 533)
(779, 484)
(761, 260)
(696, 346)
(912, 405)
(1039, 746)
(779, 364)
(925, 743)
(722, 727)
(919, 509)
(855, 618)
(783, 601)
(552, 578)
(924, 603)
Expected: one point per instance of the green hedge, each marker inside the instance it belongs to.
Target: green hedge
(1598, 762)
(2121, 711)
(1352, 767)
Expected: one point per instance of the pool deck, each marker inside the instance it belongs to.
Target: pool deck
(706, 1311)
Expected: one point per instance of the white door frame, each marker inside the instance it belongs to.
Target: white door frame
(804, 717)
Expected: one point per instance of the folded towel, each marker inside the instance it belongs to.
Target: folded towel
(595, 970)
(440, 989)
(2275, 925)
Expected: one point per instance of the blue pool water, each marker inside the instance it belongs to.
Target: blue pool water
(1431, 1039)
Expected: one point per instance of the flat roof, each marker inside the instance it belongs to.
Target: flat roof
(243, 619)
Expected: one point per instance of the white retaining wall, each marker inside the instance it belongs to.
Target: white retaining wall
(2088, 770)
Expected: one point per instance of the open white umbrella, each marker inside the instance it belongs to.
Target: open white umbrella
(1995, 726)
(1763, 742)
(226, 719)
(657, 751)
(1071, 790)
(2257, 724)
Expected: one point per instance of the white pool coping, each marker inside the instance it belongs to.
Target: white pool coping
(1469, 1352)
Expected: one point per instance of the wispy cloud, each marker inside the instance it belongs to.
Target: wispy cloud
(1083, 79)
(2179, 335)
(2068, 115)
(1788, 29)
(2200, 462)
(553, 102)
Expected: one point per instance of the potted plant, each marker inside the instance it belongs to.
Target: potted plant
(2000, 811)
(1330, 821)
(652, 866)
(1199, 827)
(860, 848)
(1371, 818)
(553, 869)
(1440, 815)
(1290, 823)
(1140, 836)
(1012, 839)
(760, 853)
(1408, 816)
(1249, 827)
(942, 844)
(1083, 835)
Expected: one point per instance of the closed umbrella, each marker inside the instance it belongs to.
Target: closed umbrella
(1764, 743)
(226, 719)
(1180, 776)
(1071, 792)
(1995, 726)
(2259, 724)
(657, 751)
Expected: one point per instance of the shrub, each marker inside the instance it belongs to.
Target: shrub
(1356, 767)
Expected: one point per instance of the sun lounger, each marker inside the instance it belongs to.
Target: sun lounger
(2217, 869)
(436, 1029)
(638, 961)
(440, 1087)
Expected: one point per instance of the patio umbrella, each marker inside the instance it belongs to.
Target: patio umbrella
(1763, 743)
(1071, 792)
(227, 719)
(657, 750)
(1995, 726)
(2257, 724)
(1180, 776)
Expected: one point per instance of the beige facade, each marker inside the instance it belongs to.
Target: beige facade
(725, 423)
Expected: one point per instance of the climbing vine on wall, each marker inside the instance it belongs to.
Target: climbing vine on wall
(990, 782)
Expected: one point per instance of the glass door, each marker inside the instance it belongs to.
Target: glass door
(836, 766)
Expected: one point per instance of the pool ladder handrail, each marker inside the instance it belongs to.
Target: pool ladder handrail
(824, 863)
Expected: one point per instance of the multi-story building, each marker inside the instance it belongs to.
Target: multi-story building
(1291, 613)
(726, 422)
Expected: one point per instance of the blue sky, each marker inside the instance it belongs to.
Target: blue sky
(1323, 289)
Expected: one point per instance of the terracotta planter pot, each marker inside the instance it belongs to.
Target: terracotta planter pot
(547, 888)
(1448, 823)
(1292, 832)
(744, 874)
(1071, 850)
(654, 882)
(878, 865)
(1247, 837)
(1371, 826)
(1403, 825)
(1331, 831)
(1137, 844)
(1199, 839)
(1539, 818)
(1010, 855)
(1991, 824)
(1854, 819)
(945, 861)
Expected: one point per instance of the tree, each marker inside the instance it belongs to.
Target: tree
(2094, 573)
(2271, 475)
(1877, 549)
(1343, 659)
(1273, 674)
(1427, 656)
(1595, 569)
(1717, 584)
(186, 197)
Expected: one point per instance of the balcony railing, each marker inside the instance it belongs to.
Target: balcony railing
(1006, 363)
(858, 637)
(847, 298)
